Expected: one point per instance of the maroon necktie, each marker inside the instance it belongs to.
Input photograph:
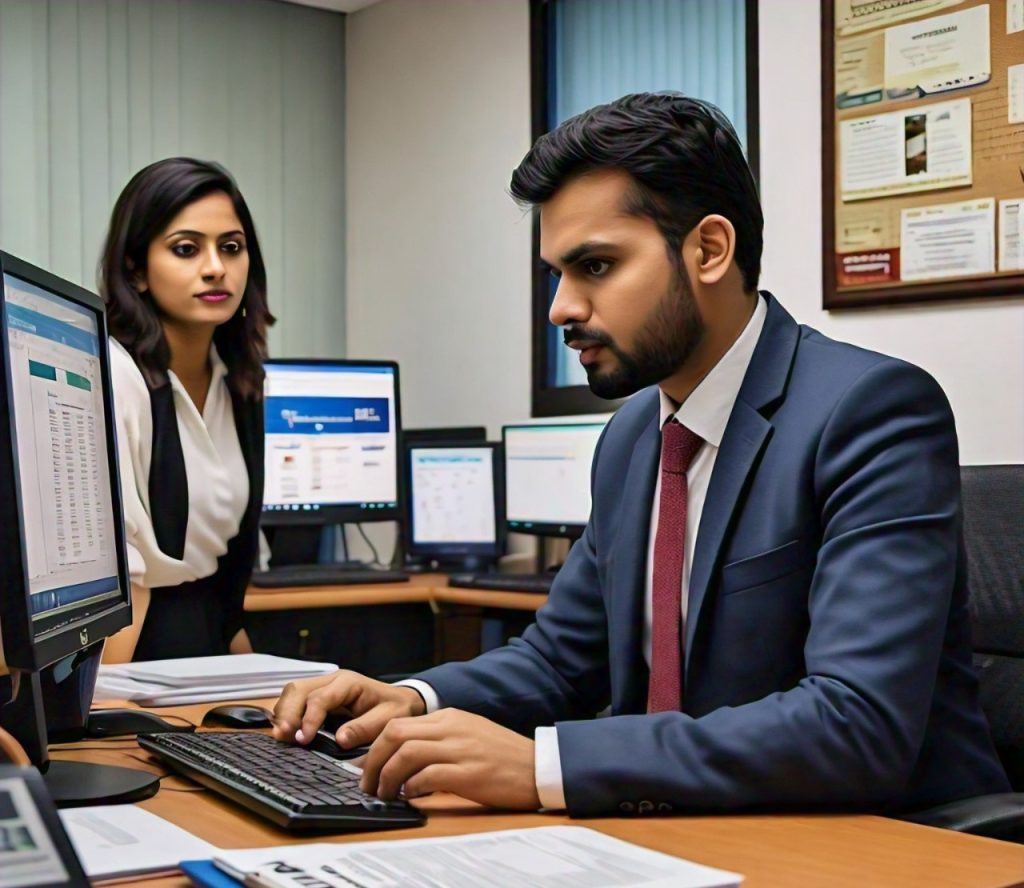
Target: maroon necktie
(678, 447)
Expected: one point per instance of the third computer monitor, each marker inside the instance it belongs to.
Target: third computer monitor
(454, 502)
(332, 434)
(547, 477)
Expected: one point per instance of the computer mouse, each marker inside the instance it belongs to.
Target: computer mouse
(237, 716)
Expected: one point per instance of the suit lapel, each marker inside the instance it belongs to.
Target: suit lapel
(630, 564)
(745, 437)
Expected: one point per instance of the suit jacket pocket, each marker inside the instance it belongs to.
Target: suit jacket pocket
(768, 566)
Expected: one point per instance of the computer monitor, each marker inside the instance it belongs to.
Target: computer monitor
(64, 583)
(454, 504)
(547, 477)
(332, 434)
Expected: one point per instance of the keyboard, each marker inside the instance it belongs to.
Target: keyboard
(291, 786)
(323, 575)
(503, 582)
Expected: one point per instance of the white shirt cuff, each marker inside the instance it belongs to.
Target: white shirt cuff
(547, 769)
(428, 694)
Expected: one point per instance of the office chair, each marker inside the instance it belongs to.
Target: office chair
(993, 504)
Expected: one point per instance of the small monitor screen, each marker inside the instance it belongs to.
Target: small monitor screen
(70, 534)
(331, 438)
(452, 492)
(547, 476)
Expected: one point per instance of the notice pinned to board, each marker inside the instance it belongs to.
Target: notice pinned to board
(948, 240)
(918, 149)
(938, 54)
(1011, 235)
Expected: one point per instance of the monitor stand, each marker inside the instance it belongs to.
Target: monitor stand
(60, 697)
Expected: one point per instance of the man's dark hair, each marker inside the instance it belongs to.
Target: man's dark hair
(683, 155)
(153, 197)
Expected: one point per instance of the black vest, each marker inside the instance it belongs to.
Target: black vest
(199, 618)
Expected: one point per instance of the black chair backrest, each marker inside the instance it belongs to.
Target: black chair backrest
(993, 502)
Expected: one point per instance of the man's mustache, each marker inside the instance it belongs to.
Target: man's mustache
(577, 333)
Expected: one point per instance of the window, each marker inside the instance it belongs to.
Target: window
(585, 52)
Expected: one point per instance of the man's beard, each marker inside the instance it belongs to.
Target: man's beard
(664, 343)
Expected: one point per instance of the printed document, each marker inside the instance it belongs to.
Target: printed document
(542, 857)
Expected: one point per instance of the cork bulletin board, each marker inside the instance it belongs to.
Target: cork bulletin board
(923, 150)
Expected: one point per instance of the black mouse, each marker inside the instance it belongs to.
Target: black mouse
(237, 716)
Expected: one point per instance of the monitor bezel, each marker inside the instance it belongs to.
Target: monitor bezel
(343, 513)
(450, 551)
(567, 530)
(23, 647)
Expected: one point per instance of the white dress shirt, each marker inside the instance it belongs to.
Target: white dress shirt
(218, 481)
(706, 412)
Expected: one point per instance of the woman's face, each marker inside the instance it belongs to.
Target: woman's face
(197, 267)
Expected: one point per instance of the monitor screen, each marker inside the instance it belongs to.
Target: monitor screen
(453, 495)
(547, 477)
(332, 432)
(67, 529)
(59, 421)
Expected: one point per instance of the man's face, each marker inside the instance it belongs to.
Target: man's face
(623, 303)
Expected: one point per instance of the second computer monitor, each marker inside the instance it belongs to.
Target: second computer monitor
(332, 433)
(547, 477)
(454, 503)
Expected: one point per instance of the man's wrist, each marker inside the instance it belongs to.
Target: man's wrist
(417, 703)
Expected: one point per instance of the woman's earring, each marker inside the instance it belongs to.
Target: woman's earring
(243, 311)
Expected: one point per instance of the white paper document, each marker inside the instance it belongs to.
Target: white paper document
(1011, 235)
(938, 54)
(118, 841)
(203, 679)
(917, 149)
(542, 857)
(948, 240)
(196, 672)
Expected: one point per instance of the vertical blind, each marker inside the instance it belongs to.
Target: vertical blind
(602, 49)
(93, 90)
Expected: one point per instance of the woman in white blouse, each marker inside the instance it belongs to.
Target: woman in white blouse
(185, 286)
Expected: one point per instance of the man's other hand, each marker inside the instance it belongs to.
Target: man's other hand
(304, 704)
(452, 751)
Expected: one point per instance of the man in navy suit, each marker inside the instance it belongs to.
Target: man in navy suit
(770, 594)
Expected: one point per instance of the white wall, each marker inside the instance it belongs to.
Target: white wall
(437, 117)
(438, 272)
(974, 349)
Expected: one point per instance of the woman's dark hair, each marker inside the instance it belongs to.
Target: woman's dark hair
(683, 155)
(154, 196)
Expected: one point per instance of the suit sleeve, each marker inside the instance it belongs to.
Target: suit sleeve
(557, 670)
(849, 733)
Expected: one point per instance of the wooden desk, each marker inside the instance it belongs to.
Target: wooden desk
(432, 588)
(457, 612)
(777, 851)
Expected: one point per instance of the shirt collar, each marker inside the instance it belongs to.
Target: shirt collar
(706, 411)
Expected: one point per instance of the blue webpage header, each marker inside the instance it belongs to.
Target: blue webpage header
(287, 415)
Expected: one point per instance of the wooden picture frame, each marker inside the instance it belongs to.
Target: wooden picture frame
(921, 146)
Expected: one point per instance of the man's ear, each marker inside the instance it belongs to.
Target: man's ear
(715, 242)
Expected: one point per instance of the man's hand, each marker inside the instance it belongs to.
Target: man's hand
(452, 751)
(305, 704)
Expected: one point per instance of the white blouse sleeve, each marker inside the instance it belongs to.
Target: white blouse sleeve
(131, 410)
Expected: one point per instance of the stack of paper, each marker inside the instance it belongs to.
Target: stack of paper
(202, 679)
(542, 857)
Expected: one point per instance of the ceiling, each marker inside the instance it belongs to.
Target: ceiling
(335, 5)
